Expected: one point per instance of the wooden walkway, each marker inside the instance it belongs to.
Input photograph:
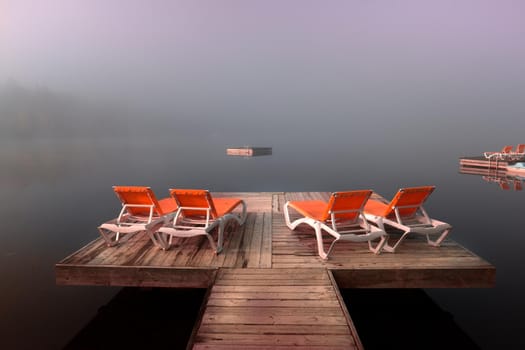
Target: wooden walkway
(273, 309)
(269, 288)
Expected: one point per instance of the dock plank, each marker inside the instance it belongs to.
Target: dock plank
(252, 316)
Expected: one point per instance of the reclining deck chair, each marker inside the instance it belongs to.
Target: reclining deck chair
(140, 208)
(199, 214)
(342, 217)
(405, 212)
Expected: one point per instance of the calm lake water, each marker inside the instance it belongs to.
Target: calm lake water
(57, 190)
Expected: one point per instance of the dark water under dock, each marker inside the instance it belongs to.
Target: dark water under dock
(138, 318)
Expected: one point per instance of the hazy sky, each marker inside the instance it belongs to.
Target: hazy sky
(98, 42)
(275, 59)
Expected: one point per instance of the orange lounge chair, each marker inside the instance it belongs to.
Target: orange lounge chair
(140, 209)
(505, 151)
(199, 214)
(405, 212)
(342, 217)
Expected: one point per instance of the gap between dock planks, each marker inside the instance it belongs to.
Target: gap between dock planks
(275, 308)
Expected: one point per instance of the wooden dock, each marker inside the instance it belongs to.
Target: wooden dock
(268, 288)
(273, 309)
(249, 151)
(481, 162)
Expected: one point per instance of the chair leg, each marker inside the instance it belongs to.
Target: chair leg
(158, 239)
(441, 238)
(287, 216)
(331, 247)
(226, 224)
(383, 244)
(113, 238)
(379, 246)
(107, 236)
(213, 245)
(243, 215)
(220, 237)
(392, 249)
(320, 246)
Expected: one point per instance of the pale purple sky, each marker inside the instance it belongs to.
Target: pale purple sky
(281, 59)
(76, 42)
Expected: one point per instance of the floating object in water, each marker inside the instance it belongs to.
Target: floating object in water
(507, 174)
(247, 151)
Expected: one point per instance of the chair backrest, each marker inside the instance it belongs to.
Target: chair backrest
(347, 205)
(408, 201)
(506, 149)
(191, 198)
(138, 195)
(520, 148)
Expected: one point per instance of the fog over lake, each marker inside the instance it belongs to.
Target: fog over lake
(349, 94)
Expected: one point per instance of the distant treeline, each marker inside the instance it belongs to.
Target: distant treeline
(40, 112)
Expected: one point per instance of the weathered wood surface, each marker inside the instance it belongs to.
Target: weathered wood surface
(275, 308)
(265, 242)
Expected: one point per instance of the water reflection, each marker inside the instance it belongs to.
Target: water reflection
(502, 178)
(506, 182)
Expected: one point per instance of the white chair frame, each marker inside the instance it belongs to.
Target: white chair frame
(186, 227)
(368, 233)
